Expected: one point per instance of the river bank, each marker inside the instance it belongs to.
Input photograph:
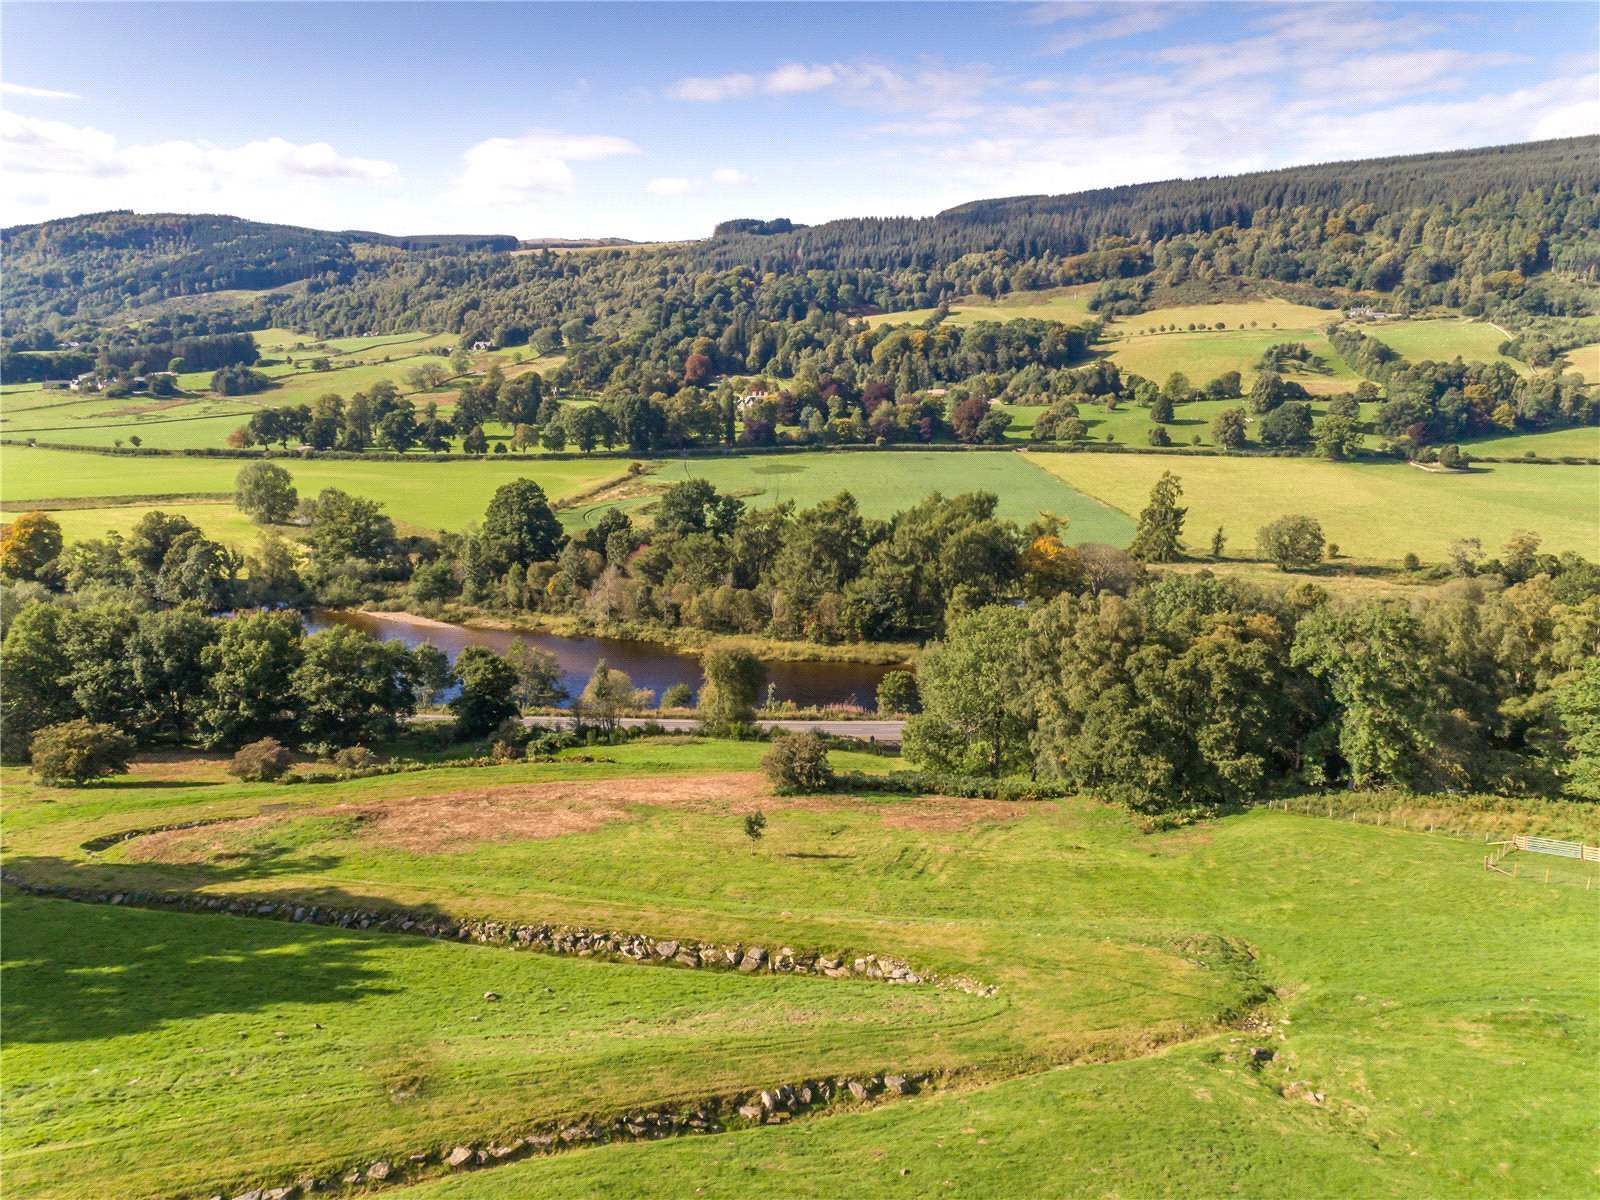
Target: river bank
(807, 683)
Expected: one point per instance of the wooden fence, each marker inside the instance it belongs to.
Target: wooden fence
(1540, 845)
(1544, 845)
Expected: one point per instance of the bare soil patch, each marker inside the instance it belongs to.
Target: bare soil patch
(943, 814)
(451, 821)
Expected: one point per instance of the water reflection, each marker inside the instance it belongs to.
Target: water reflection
(648, 664)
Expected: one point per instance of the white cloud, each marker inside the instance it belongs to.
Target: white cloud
(729, 176)
(797, 77)
(513, 170)
(55, 168)
(672, 185)
(37, 147)
(712, 90)
(1135, 19)
(17, 89)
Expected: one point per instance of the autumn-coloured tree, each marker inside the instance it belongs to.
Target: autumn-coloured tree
(29, 546)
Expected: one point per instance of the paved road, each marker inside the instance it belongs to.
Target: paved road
(883, 731)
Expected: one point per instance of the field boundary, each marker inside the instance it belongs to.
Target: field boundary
(604, 945)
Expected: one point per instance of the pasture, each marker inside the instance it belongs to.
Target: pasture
(153, 1052)
(1067, 305)
(1445, 339)
(1130, 425)
(883, 483)
(1585, 360)
(427, 495)
(1374, 511)
(200, 419)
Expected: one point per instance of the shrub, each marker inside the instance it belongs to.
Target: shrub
(679, 695)
(355, 758)
(262, 761)
(798, 763)
(75, 752)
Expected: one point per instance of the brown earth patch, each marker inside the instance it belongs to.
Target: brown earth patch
(940, 814)
(451, 821)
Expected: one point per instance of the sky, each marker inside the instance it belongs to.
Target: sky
(656, 120)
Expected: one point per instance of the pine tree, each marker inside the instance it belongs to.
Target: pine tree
(1158, 538)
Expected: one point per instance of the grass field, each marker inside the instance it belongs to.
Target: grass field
(1444, 340)
(199, 419)
(1130, 425)
(1585, 360)
(427, 495)
(884, 483)
(1582, 442)
(1374, 511)
(1417, 1049)
(1068, 305)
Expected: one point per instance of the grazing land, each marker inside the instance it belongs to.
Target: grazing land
(452, 495)
(1445, 339)
(886, 483)
(1068, 305)
(1106, 945)
(1374, 511)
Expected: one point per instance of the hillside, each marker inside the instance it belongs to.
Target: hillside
(1509, 230)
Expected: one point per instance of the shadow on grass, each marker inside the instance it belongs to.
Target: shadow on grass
(72, 971)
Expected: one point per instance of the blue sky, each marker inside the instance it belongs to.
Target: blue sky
(657, 120)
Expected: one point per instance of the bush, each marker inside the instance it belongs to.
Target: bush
(75, 752)
(798, 763)
(355, 758)
(262, 761)
(679, 695)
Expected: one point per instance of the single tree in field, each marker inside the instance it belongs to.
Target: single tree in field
(755, 828)
(265, 493)
(1160, 530)
(1219, 542)
(1228, 429)
(1294, 542)
(1338, 438)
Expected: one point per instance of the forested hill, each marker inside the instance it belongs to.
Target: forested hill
(1507, 232)
(1025, 226)
(100, 264)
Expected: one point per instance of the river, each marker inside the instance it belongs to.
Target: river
(649, 664)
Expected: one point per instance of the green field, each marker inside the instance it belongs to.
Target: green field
(1374, 511)
(427, 495)
(199, 419)
(1068, 305)
(1130, 425)
(1582, 442)
(1585, 360)
(886, 482)
(1446, 339)
(1417, 1049)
